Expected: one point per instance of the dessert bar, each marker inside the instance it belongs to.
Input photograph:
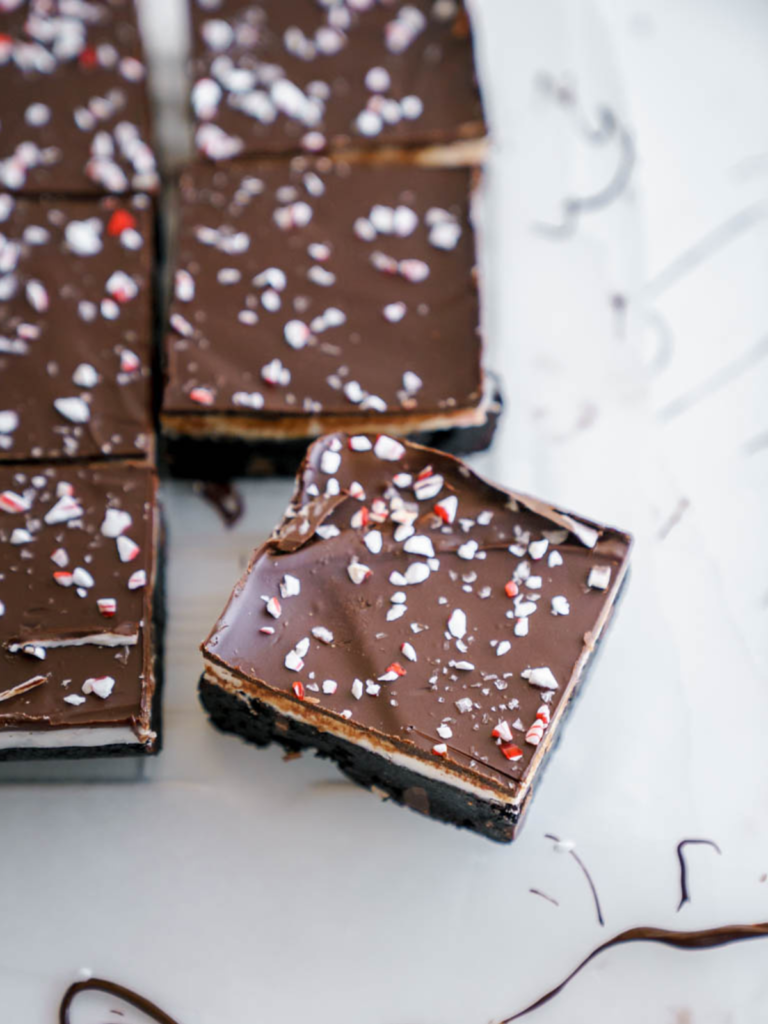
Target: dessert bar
(421, 627)
(281, 77)
(74, 115)
(75, 327)
(316, 295)
(80, 609)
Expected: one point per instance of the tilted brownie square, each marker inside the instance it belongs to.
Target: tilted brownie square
(424, 629)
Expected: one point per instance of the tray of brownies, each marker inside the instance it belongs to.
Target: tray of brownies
(307, 525)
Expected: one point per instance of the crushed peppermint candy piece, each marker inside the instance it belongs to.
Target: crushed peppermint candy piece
(102, 686)
(599, 577)
(541, 677)
(137, 580)
(107, 606)
(358, 572)
(388, 448)
(127, 549)
(457, 624)
(290, 586)
(447, 508)
(116, 521)
(76, 410)
(502, 732)
(560, 605)
(535, 734)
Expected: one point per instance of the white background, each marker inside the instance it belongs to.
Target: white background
(232, 887)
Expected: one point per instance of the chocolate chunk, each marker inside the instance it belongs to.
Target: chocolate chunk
(321, 295)
(75, 327)
(74, 114)
(78, 561)
(298, 75)
(439, 622)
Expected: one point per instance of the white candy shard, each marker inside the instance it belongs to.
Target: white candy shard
(102, 686)
(457, 624)
(541, 677)
(116, 521)
(599, 577)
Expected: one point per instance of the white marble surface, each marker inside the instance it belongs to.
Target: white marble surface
(232, 887)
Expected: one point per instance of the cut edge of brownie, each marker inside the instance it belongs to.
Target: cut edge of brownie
(223, 458)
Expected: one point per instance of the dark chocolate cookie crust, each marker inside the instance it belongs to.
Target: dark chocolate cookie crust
(261, 725)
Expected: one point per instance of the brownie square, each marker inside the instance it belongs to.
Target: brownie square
(424, 629)
(78, 606)
(75, 327)
(74, 115)
(279, 77)
(314, 294)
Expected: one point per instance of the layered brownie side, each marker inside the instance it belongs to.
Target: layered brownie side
(317, 295)
(277, 78)
(80, 609)
(413, 622)
(75, 328)
(74, 113)
(222, 458)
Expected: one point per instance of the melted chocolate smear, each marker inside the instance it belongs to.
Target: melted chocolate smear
(111, 988)
(706, 939)
(225, 498)
(607, 129)
(538, 892)
(684, 895)
(587, 875)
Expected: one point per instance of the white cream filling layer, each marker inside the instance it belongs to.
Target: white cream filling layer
(96, 639)
(50, 739)
(232, 684)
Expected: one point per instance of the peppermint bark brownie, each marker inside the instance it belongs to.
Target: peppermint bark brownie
(74, 114)
(317, 295)
(423, 628)
(75, 328)
(79, 605)
(281, 77)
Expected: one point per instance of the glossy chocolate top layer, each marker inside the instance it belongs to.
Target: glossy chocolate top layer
(73, 108)
(315, 287)
(288, 75)
(77, 554)
(404, 593)
(75, 327)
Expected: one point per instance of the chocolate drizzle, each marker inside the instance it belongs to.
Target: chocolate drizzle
(225, 498)
(707, 938)
(550, 899)
(608, 129)
(684, 894)
(587, 875)
(111, 988)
